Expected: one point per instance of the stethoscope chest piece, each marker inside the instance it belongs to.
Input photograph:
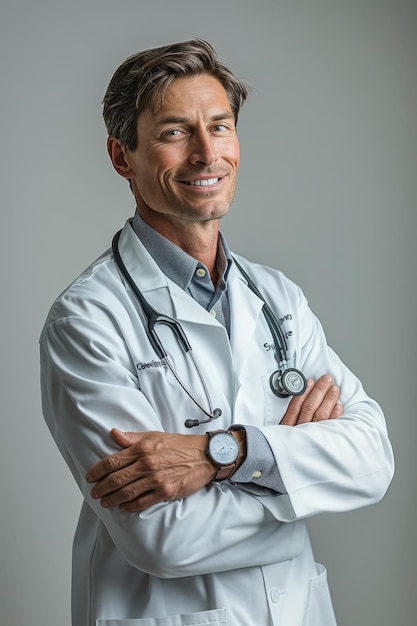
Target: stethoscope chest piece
(290, 382)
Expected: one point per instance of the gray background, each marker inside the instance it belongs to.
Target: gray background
(327, 192)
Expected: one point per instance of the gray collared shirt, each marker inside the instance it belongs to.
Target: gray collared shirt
(189, 273)
(259, 474)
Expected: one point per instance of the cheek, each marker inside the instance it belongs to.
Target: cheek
(166, 166)
(233, 154)
(165, 155)
(151, 175)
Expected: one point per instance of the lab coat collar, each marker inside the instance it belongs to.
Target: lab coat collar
(166, 296)
(163, 294)
(139, 263)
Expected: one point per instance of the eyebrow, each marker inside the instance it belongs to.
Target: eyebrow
(176, 119)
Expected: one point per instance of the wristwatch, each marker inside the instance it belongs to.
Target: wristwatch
(223, 450)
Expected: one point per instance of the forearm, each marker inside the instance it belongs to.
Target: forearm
(338, 464)
(155, 467)
(195, 535)
(341, 467)
(260, 474)
(198, 534)
(219, 528)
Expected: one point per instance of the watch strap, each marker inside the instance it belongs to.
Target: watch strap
(224, 472)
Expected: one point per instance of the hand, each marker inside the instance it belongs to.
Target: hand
(320, 401)
(153, 467)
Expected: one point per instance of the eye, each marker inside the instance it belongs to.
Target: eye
(218, 128)
(172, 133)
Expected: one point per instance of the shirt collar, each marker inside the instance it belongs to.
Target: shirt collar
(179, 266)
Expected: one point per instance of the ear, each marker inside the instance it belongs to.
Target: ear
(117, 154)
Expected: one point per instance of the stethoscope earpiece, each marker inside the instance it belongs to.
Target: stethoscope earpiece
(290, 382)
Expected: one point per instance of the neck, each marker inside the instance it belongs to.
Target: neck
(198, 239)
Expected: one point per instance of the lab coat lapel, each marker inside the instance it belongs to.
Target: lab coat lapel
(224, 356)
(245, 309)
(186, 309)
(163, 294)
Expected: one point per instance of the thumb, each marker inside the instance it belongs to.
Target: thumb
(124, 439)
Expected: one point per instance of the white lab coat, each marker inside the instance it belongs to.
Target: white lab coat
(222, 556)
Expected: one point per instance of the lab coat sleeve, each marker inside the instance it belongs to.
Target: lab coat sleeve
(334, 465)
(88, 387)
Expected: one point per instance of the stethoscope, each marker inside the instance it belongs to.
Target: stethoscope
(284, 382)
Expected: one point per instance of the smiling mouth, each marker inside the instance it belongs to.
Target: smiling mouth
(204, 182)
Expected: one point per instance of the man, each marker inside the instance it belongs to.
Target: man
(202, 526)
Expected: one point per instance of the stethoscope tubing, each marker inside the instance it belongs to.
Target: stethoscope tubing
(153, 317)
(286, 381)
(280, 341)
(296, 381)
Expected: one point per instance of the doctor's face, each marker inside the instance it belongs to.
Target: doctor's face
(185, 164)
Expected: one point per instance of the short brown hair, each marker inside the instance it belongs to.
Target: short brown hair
(141, 80)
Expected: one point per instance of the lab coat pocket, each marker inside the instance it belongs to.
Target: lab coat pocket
(216, 617)
(319, 606)
(275, 407)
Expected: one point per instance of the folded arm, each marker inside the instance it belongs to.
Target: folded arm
(155, 467)
(86, 382)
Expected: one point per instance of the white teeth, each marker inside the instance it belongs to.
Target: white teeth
(203, 183)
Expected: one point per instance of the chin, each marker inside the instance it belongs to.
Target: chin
(209, 216)
(212, 211)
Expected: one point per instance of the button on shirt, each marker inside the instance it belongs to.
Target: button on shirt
(259, 473)
(187, 272)
(213, 298)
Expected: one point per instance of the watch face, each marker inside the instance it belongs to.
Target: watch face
(223, 448)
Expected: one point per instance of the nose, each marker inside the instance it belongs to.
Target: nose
(203, 148)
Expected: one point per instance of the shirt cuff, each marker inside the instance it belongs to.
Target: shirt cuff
(259, 473)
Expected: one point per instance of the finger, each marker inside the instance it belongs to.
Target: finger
(330, 405)
(321, 402)
(155, 494)
(293, 410)
(150, 489)
(115, 481)
(110, 464)
(122, 495)
(124, 439)
(140, 504)
(337, 411)
(315, 398)
(128, 493)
